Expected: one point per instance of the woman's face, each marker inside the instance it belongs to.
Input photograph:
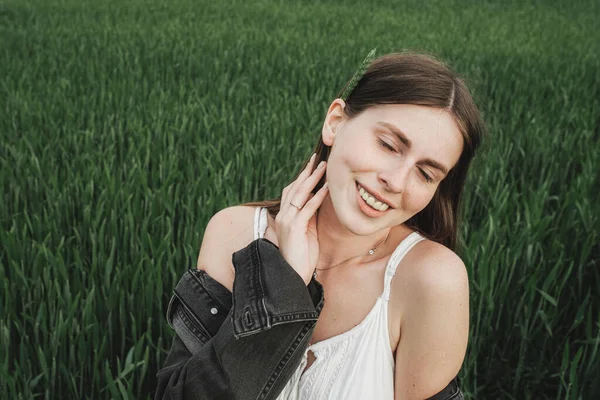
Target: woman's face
(397, 152)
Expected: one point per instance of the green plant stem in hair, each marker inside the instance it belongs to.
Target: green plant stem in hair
(358, 74)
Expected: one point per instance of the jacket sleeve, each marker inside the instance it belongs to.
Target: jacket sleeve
(254, 351)
(450, 392)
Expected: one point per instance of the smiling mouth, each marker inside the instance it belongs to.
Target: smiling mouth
(372, 202)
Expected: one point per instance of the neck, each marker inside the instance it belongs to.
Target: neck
(337, 243)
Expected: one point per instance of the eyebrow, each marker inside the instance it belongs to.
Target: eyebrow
(408, 144)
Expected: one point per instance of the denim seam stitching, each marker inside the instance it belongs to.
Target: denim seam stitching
(192, 317)
(294, 317)
(288, 355)
(278, 320)
(169, 310)
(455, 395)
(194, 330)
(256, 268)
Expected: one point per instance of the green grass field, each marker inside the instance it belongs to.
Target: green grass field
(126, 125)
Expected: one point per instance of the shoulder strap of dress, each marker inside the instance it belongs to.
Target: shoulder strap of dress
(260, 222)
(395, 259)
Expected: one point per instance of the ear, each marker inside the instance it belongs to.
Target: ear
(335, 116)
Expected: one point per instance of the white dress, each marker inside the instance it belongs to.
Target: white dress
(356, 364)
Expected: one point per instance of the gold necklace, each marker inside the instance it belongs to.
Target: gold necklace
(370, 252)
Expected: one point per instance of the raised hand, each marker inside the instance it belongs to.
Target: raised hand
(296, 222)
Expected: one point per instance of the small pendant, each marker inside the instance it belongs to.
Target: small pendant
(315, 274)
(371, 251)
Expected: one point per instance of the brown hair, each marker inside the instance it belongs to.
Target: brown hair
(412, 78)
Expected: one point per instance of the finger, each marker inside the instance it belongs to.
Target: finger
(299, 194)
(311, 206)
(307, 170)
(285, 197)
(284, 194)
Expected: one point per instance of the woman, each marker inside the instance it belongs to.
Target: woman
(375, 225)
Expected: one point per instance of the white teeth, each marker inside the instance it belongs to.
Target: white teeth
(372, 201)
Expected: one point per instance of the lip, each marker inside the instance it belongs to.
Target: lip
(367, 209)
(375, 194)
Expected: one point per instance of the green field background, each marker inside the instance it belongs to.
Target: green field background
(125, 125)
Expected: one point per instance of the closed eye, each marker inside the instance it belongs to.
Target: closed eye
(384, 144)
(426, 176)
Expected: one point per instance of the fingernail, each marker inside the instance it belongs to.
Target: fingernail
(321, 164)
(313, 156)
(325, 185)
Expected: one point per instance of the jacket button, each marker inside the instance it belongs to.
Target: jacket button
(214, 310)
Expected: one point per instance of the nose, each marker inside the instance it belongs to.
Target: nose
(395, 179)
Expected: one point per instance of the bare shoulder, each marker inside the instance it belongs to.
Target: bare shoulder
(434, 323)
(228, 231)
(434, 262)
(431, 273)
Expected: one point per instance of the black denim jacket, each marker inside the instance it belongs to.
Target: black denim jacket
(245, 344)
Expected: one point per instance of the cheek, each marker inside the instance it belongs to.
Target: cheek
(345, 162)
(359, 155)
(417, 198)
